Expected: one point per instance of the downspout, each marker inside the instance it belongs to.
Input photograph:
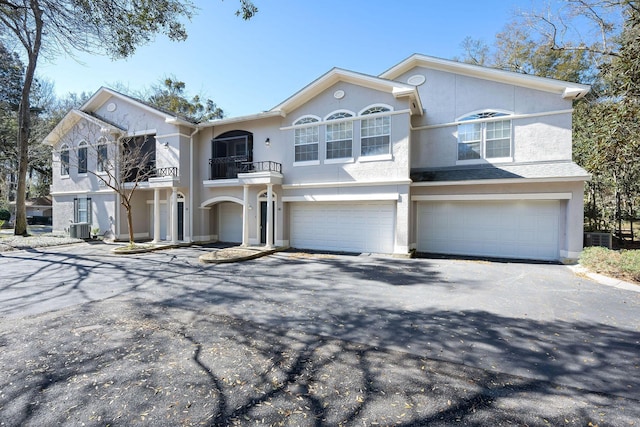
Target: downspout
(191, 187)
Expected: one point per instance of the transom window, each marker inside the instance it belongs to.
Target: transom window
(82, 157)
(64, 160)
(306, 140)
(484, 139)
(375, 132)
(339, 136)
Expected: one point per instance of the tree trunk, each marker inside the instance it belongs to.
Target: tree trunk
(24, 126)
(130, 224)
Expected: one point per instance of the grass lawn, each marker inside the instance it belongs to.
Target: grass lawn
(623, 264)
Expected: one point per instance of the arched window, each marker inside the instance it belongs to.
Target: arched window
(375, 132)
(306, 139)
(339, 136)
(82, 157)
(485, 137)
(64, 160)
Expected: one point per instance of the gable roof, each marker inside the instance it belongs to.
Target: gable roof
(104, 93)
(335, 75)
(71, 119)
(567, 90)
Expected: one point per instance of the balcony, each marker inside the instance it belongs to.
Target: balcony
(230, 167)
(148, 171)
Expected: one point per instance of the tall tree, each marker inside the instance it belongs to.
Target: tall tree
(115, 28)
(171, 96)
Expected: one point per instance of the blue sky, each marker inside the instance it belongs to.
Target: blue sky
(250, 66)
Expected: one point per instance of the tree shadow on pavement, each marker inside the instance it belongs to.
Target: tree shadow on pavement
(123, 362)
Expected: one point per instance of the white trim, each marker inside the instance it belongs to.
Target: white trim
(345, 184)
(343, 197)
(171, 135)
(339, 160)
(326, 118)
(220, 199)
(501, 181)
(494, 119)
(78, 192)
(307, 116)
(376, 158)
(307, 163)
(373, 106)
(221, 182)
(505, 113)
(231, 120)
(337, 75)
(565, 89)
(500, 196)
(482, 161)
(354, 119)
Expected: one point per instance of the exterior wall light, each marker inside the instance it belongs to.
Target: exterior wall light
(267, 142)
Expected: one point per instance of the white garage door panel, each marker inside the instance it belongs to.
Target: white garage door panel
(348, 227)
(510, 229)
(230, 226)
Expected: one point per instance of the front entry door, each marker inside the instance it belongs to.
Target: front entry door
(180, 220)
(263, 221)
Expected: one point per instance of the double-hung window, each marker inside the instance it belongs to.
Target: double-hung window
(64, 160)
(306, 140)
(339, 136)
(82, 209)
(484, 137)
(82, 157)
(375, 132)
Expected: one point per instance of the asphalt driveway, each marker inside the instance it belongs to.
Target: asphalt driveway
(325, 339)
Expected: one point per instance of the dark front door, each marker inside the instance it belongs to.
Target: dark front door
(180, 220)
(263, 221)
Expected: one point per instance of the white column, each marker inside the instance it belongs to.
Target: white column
(174, 215)
(169, 213)
(156, 215)
(245, 215)
(269, 216)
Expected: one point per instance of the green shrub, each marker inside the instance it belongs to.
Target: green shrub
(623, 264)
(5, 215)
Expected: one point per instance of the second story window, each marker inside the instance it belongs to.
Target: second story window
(339, 136)
(102, 157)
(306, 140)
(490, 139)
(64, 160)
(82, 157)
(375, 132)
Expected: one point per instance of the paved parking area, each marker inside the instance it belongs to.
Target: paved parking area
(554, 336)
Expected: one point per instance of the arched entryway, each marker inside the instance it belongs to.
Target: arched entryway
(263, 216)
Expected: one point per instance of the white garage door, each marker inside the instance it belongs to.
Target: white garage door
(506, 229)
(230, 226)
(347, 227)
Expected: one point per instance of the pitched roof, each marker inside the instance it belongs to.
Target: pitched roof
(532, 171)
(336, 75)
(104, 93)
(71, 119)
(567, 90)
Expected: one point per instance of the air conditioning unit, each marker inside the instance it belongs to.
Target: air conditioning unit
(80, 230)
(597, 239)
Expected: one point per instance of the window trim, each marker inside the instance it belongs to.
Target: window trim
(500, 115)
(333, 121)
(303, 126)
(384, 115)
